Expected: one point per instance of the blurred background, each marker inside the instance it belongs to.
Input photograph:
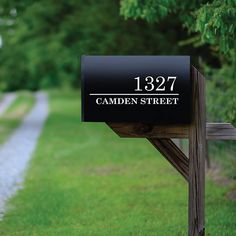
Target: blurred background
(41, 43)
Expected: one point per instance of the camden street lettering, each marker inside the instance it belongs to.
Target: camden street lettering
(136, 101)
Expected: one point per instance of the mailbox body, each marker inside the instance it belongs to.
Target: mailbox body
(149, 89)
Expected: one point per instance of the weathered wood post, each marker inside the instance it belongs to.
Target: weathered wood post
(197, 153)
(142, 120)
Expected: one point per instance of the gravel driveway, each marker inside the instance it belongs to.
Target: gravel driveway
(6, 102)
(17, 151)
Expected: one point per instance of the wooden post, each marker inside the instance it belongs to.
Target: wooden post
(173, 154)
(192, 168)
(197, 152)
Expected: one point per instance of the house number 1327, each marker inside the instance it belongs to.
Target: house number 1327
(156, 84)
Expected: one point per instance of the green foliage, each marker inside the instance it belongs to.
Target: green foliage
(223, 153)
(150, 10)
(217, 24)
(42, 48)
(221, 99)
(210, 24)
(214, 20)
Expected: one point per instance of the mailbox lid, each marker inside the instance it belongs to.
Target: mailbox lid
(152, 89)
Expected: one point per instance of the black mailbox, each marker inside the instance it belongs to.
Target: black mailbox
(150, 89)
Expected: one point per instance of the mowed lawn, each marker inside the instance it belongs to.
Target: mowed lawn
(85, 180)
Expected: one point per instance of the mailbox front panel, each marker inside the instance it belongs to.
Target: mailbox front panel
(150, 89)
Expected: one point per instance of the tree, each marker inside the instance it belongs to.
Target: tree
(210, 24)
(213, 20)
(43, 45)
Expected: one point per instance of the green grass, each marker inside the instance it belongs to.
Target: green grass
(85, 180)
(14, 114)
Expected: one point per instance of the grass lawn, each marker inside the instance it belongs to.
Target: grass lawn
(15, 113)
(84, 180)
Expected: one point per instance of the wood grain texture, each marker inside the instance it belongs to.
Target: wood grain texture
(197, 152)
(220, 131)
(214, 131)
(142, 130)
(173, 154)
